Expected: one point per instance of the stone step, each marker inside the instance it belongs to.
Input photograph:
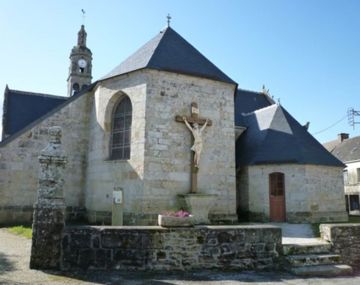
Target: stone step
(322, 270)
(292, 249)
(312, 259)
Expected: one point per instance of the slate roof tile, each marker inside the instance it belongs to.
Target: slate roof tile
(274, 136)
(22, 108)
(249, 101)
(168, 51)
(348, 150)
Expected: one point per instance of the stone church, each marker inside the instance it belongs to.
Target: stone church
(134, 130)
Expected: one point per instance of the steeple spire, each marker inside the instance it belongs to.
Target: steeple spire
(80, 65)
(82, 37)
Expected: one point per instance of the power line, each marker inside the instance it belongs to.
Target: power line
(332, 125)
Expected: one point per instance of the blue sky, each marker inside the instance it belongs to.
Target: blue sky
(306, 52)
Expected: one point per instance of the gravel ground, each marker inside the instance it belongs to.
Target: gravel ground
(14, 269)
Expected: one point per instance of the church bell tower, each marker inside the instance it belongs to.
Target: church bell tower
(80, 65)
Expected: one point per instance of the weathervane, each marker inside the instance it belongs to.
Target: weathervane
(83, 15)
(168, 19)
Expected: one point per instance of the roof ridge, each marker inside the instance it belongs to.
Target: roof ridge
(36, 94)
(248, 90)
(163, 32)
(258, 93)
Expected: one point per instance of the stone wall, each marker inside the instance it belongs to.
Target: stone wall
(345, 240)
(104, 174)
(168, 143)
(19, 161)
(312, 193)
(159, 164)
(156, 248)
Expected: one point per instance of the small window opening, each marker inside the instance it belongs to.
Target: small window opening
(354, 202)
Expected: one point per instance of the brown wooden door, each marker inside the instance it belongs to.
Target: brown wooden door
(277, 197)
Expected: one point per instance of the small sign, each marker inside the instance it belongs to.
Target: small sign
(118, 197)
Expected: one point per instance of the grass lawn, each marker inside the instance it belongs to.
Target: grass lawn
(24, 231)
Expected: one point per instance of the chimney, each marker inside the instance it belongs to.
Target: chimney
(342, 137)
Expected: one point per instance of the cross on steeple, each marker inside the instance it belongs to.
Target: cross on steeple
(168, 19)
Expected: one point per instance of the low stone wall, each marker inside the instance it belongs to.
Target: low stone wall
(157, 248)
(345, 240)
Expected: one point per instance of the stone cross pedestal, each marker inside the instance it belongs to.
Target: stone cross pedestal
(49, 209)
(199, 205)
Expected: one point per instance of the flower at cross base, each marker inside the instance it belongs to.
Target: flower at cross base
(178, 214)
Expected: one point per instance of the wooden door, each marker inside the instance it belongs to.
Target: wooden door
(277, 197)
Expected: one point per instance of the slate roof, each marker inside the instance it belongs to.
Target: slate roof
(249, 101)
(274, 136)
(168, 51)
(348, 150)
(22, 108)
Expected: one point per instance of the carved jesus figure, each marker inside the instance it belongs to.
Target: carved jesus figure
(196, 132)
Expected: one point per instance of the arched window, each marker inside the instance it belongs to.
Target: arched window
(121, 130)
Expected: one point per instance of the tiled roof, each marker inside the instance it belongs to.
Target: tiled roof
(348, 150)
(168, 51)
(274, 136)
(21, 108)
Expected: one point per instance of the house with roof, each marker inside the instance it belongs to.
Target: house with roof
(348, 151)
(123, 132)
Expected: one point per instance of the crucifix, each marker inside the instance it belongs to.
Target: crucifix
(193, 123)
